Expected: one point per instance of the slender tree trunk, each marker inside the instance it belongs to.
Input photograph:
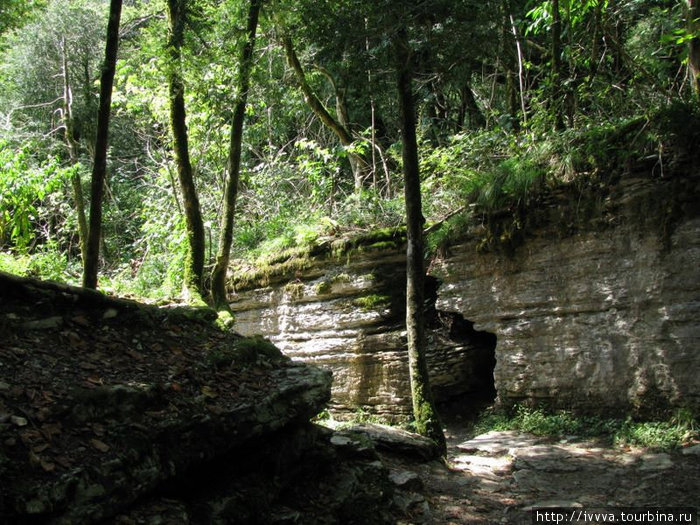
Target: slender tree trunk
(424, 412)
(72, 146)
(99, 167)
(218, 289)
(359, 165)
(694, 45)
(194, 263)
(595, 41)
(521, 70)
(556, 66)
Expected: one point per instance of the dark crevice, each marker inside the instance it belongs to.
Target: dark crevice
(462, 359)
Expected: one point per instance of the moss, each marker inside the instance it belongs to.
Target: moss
(372, 302)
(295, 290)
(265, 272)
(245, 352)
(323, 287)
(376, 240)
(225, 320)
(291, 262)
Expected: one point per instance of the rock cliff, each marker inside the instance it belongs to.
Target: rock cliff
(590, 296)
(347, 314)
(597, 309)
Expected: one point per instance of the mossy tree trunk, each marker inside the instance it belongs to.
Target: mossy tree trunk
(194, 263)
(99, 168)
(218, 290)
(72, 145)
(424, 412)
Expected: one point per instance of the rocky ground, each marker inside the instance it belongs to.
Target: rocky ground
(500, 477)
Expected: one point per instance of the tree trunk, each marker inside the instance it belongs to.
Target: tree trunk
(359, 166)
(194, 263)
(469, 109)
(72, 145)
(694, 45)
(99, 167)
(218, 290)
(556, 66)
(424, 412)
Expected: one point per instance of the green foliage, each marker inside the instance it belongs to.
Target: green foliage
(665, 435)
(362, 415)
(296, 187)
(14, 264)
(24, 186)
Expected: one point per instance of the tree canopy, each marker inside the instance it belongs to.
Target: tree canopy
(502, 90)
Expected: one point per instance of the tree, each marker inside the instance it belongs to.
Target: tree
(72, 146)
(99, 169)
(424, 412)
(338, 125)
(556, 65)
(218, 290)
(694, 44)
(194, 263)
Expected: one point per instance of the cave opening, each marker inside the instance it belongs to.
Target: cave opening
(462, 360)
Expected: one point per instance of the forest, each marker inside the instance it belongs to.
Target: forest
(161, 159)
(234, 131)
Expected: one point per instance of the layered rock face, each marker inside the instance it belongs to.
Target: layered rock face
(603, 319)
(593, 297)
(347, 314)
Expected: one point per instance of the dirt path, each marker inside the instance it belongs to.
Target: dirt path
(499, 477)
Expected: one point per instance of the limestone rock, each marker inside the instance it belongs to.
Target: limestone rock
(406, 480)
(603, 317)
(397, 441)
(695, 450)
(499, 442)
(591, 304)
(347, 315)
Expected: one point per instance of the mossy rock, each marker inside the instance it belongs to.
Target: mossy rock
(323, 287)
(245, 352)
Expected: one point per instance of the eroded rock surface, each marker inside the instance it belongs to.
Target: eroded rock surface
(347, 314)
(503, 477)
(591, 298)
(604, 318)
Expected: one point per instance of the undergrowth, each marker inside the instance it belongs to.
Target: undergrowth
(683, 427)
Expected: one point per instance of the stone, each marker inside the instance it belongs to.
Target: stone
(406, 480)
(347, 315)
(553, 504)
(43, 324)
(694, 450)
(499, 442)
(601, 320)
(484, 466)
(654, 462)
(398, 441)
(594, 308)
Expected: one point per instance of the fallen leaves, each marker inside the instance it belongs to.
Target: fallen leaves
(18, 421)
(99, 445)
